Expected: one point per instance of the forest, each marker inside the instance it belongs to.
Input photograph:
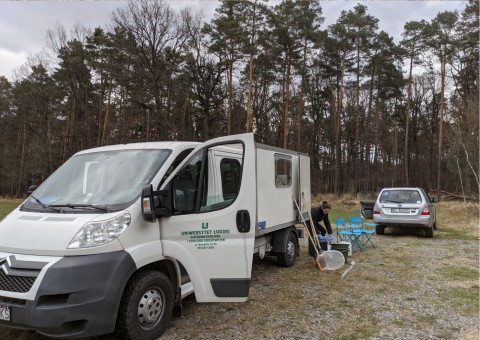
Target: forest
(370, 112)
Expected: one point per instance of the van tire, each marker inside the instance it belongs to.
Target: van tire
(147, 291)
(288, 258)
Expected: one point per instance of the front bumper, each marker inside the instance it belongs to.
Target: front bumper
(78, 296)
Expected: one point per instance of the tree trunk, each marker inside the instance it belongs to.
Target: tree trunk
(69, 128)
(338, 153)
(300, 99)
(249, 100)
(147, 133)
(19, 192)
(440, 129)
(49, 145)
(286, 102)
(106, 120)
(407, 123)
(249, 123)
(356, 145)
(369, 139)
(230, 95)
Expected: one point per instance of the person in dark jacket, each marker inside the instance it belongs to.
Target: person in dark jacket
(320, 214)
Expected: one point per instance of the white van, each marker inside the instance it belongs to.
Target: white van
(119, 235)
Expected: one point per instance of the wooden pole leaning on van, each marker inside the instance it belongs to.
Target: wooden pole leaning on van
(311, 221)
(317, 257)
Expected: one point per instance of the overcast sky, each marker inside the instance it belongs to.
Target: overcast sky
(23, 24)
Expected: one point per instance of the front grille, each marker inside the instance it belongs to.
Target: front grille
(17, 284)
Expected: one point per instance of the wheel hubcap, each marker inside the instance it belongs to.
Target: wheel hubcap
(150, 308)
(290, 250)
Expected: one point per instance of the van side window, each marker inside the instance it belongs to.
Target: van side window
(174, 164)
(283, 171)
(210, 180)
(231, 170)
(185, 185)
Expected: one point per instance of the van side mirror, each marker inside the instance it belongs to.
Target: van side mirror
(434, 200)
(155, 203)
(147, 204)
(31, 189)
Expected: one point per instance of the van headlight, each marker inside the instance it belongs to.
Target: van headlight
(95, 234)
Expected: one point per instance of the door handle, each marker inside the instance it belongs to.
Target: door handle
(243, 221)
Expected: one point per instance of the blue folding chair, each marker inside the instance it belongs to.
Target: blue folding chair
(345, 233)
(358, 224)
(340, 227)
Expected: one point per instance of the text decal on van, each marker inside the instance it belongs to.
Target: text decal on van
(206, 239)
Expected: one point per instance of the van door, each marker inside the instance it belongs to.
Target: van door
(211, 230)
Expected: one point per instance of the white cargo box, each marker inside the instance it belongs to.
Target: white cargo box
(281, 173)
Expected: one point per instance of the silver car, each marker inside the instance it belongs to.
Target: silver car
(405, 207)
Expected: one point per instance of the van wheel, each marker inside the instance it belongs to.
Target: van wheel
(146, 306)
(380, 229)
(288, 258)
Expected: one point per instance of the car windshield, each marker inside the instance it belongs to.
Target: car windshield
(401, 196)
(109, 180)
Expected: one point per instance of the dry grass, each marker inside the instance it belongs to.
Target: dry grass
(7, 205)
(459, 218)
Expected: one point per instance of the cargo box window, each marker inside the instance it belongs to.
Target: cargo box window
(283, 171)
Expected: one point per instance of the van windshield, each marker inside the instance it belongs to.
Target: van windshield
(109, 181)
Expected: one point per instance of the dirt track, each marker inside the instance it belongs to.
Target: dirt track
(409, 287)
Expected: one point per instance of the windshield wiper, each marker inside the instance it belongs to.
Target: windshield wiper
(45, 206)
(82, 205)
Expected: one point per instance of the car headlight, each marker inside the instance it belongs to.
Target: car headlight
(97, 233)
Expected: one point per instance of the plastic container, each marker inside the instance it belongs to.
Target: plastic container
(349, 247)
(324, 246)
(343, 248)
(331, 260)
(325, 243)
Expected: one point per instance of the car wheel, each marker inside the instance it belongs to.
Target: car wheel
(146, 306)
(380, 229)
(429, 231)
(435, 225)
(288, 258)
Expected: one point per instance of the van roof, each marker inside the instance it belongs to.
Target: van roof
(147, 145)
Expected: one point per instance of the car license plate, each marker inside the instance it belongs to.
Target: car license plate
(4, 313)
(400, 210)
